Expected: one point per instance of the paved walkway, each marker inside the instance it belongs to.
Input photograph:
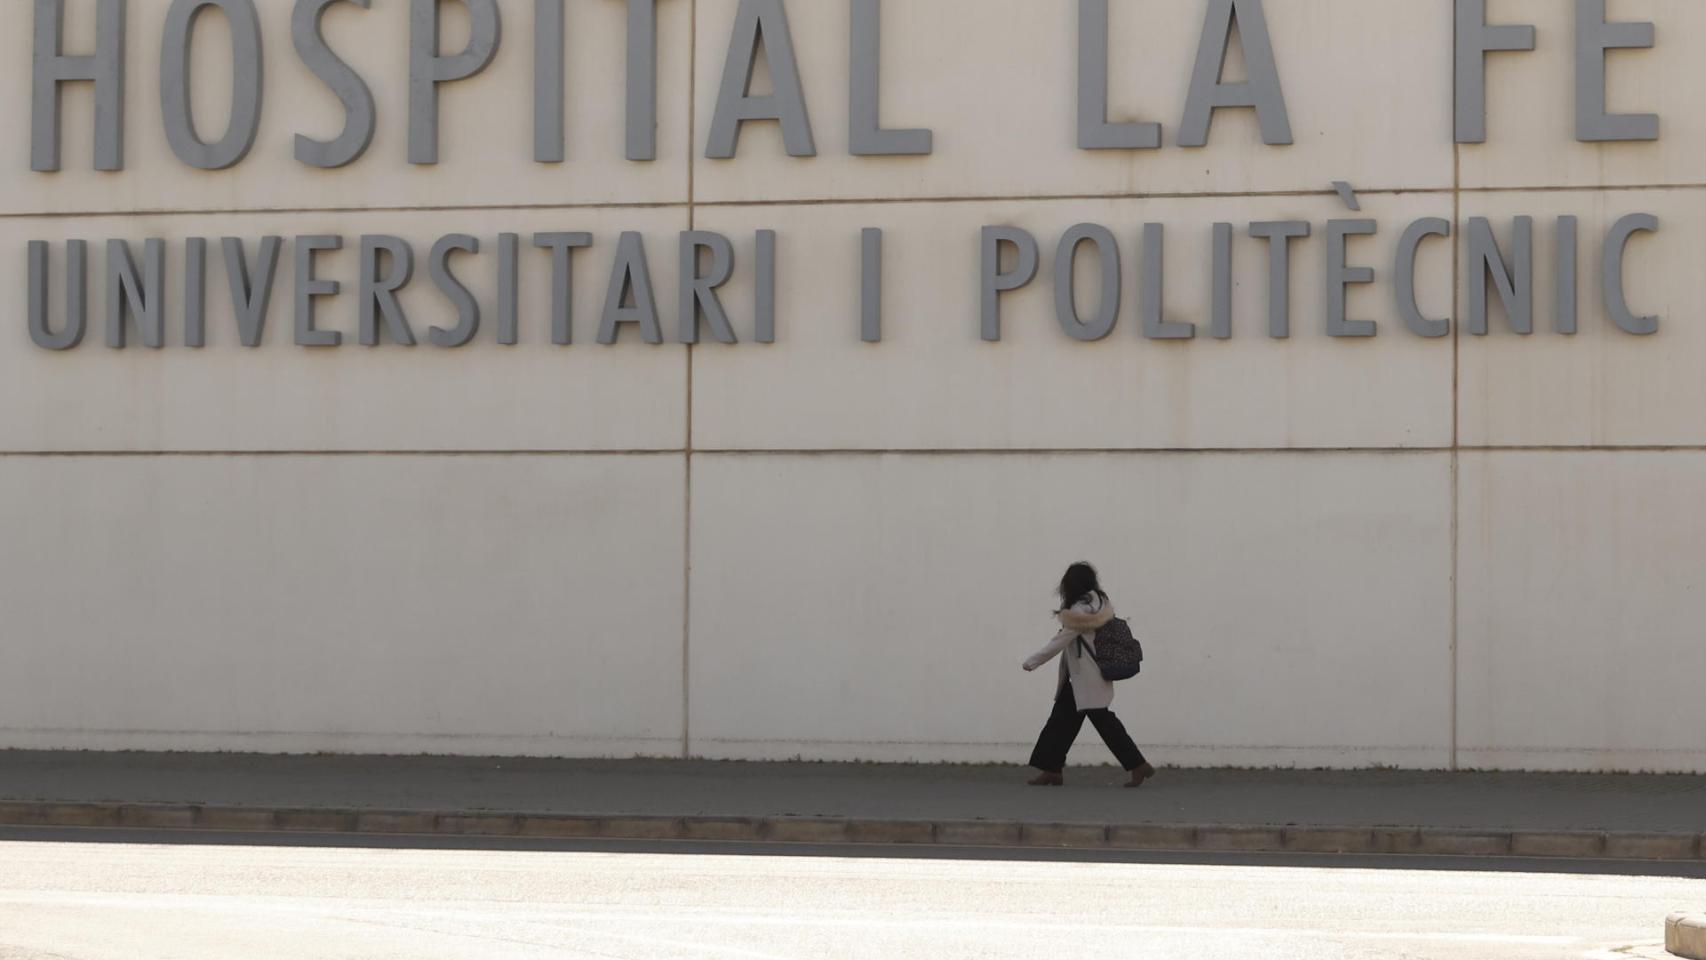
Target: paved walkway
(1201, 799)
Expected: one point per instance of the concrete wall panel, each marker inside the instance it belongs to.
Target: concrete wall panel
(486, 121)
(997, 82)
(1602, 386)
(381, 604)
(1583, 590)
(1531, 113)
(280, 396)
(878, 607)
(934, 384)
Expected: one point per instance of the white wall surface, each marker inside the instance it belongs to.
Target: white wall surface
(933, 384)
(393, 603)
(1531, 102)
(1004, 128)
(1601, 387)
(843, 602)
(1469, 551)
(1583, 591)
(486, 122)
(281, 397)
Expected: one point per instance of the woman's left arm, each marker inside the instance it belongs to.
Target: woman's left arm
(1051, 650)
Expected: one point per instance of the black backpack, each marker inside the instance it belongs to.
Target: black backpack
(1118, 654)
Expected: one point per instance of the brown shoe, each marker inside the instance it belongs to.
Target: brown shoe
(1046, 779)
(1140, 774)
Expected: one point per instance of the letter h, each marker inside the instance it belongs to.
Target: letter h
(52, 68)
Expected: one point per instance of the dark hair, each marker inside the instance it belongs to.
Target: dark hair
(1079, 582)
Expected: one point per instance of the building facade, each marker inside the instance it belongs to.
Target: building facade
(334, 420)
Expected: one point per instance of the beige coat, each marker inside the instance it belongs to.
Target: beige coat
(1078, 668)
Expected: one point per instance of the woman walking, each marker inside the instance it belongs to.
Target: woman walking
(1081, 690)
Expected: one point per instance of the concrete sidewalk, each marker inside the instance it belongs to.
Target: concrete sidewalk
(1636, 817)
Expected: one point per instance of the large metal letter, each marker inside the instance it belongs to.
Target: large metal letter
(195, 292)
(642, 135)
(562, 247)
(52, 68)
(140, 295)
(345, 84)
(1262, 91)
(1616, 302)
(548, 78)
(764, 323)
(630, 278)
(994, 282)
(871, 285)
(1279, 234)
(1066, 293)
(1340, 277)
(699, 290)
(76, 295)
(865, 135)
(467, 308)
(250, 298)
(509, 289)
(1475, 39)
(642, 81)
(1094, 130)
(1514, 280)
(246, 79)
(1566, 281)
(378, 293)
(1593, 37)
(308, 287)
(1220, 284)
(1152, 291)
(428, 69)
(761, 22)
(1404, 276)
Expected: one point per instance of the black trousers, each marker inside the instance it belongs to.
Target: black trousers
(1062, 729)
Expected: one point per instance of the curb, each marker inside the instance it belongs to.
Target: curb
(1685, 935)
(1218, 838)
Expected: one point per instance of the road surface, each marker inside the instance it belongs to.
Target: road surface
(126, 897)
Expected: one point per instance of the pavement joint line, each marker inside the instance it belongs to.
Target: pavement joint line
(1154, 837)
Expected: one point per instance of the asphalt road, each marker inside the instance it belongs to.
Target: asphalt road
(130, 898)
